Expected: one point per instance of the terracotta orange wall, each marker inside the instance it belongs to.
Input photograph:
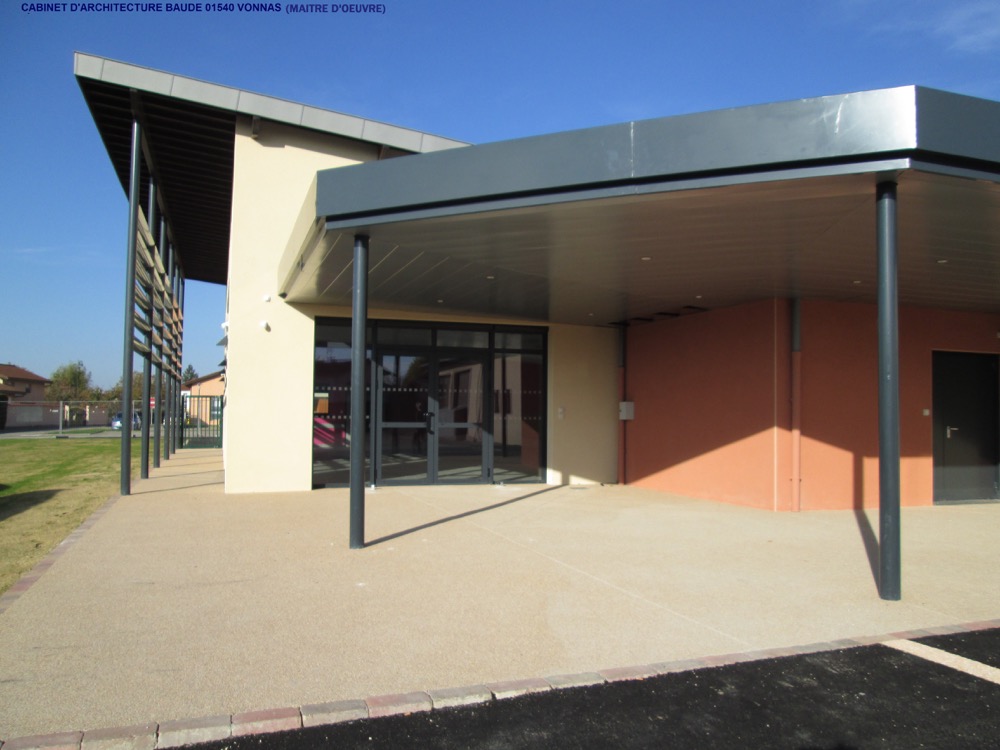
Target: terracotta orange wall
(712, 415)
(713, 393)
(840, 398)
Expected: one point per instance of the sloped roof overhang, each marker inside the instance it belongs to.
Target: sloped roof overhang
(662, 217)
(189, 130)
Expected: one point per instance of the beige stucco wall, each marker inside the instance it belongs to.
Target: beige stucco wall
(270, 370)
(269, 380)
(583, 405)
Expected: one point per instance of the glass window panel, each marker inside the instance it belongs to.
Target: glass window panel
(464, 339)
(518, 403)
(333, 334)
(513, 340)
(460, 454)
(460, 389)
(332, 404)
(405, 388)
(404, 336)
(404, 454)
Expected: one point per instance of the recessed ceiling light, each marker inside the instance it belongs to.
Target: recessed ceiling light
(856, 282)
(646, 257)
(943, 262)
(440, 301)
(491, 277)
(697, 296)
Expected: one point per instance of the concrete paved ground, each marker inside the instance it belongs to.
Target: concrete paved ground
(181, 601)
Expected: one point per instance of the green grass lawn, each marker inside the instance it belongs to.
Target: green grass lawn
(48, 487)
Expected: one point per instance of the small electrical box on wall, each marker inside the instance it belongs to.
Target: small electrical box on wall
(626, 410)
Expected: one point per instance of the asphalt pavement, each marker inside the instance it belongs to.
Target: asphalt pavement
(875, 696)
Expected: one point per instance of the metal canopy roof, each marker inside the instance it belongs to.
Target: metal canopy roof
(189, 127)
(671, 216)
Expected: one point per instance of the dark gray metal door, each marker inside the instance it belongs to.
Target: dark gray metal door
(966, 426)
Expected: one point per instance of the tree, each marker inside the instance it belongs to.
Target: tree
(114, 393)
(189, 374)
(71, 382)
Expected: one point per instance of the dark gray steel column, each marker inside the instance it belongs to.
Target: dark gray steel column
(133, 228)
(888, 394)
(359, 321)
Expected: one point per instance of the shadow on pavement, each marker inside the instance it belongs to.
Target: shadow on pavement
(457, 516)
(870, 540)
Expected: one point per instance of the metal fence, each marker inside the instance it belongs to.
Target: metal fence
(55, 416)
(200, 426)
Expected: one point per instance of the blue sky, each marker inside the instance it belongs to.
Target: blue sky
(469, 69)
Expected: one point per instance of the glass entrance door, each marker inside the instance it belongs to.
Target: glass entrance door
(444, 403)
(405, 418)
(430, 425)
(461, 431)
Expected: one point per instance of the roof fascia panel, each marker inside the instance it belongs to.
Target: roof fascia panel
(429, 143)
(378, 132)
(269, 108)
(865, 126)
(203, 92)
(527, 165)
(958, 125)
(132, 76)
(949, 170)
(332, 122)
(826, 128)
(87, 66)
(877, 168)
(237, 100)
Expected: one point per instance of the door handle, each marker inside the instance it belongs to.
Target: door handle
(949, 430)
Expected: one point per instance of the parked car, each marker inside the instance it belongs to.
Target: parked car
(116, 421)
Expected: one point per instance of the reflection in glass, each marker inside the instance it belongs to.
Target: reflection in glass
(332, 406)
(517, 417)
(404, 335)
(460, 418)
(404, 454)
(463, 339)
(527, 341)
(405, 391)
(445, 401)
(405, 388)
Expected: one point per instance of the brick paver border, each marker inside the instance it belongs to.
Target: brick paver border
(175, 733)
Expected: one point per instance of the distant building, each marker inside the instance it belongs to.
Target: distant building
(213, 384)
(20, 385)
